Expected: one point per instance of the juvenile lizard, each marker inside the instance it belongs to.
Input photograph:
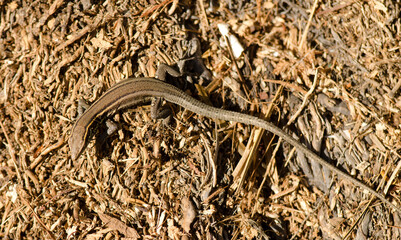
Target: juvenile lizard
(135, 91)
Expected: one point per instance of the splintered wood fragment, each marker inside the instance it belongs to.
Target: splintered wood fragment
(287, 85)
(241, 170)
(53, 8)
(119, 226)
(84, 31)
(155, 10)
(188, 214)
(303, 39)
(306, 98)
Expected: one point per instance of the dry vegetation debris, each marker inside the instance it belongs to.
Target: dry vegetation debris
(332, 68)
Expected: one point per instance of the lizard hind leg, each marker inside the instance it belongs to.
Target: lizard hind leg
(157, 111)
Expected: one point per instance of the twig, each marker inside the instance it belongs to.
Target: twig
(85, 30)
(241, 77)
(303, 39)
(311, 90)
(21, 194)
(155, 11)
(393, 175)
(39, 159)
(204, 19)
(287, 85)
(11, 152)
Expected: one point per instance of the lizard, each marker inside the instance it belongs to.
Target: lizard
(135, 91)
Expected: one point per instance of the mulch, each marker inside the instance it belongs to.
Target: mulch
(328, 73)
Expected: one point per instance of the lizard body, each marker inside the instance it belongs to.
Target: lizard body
(135, 91)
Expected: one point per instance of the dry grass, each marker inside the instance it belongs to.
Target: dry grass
(150, 181)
